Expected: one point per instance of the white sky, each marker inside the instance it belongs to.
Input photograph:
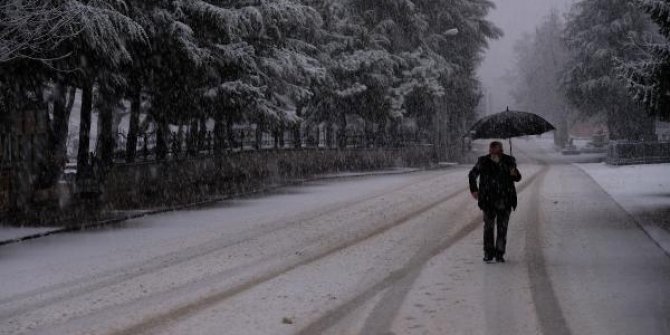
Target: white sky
(514, 17)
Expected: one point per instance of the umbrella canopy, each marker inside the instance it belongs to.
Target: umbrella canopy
(509, 124)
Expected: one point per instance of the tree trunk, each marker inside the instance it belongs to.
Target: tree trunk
(105, 132)
(437, 135)
(369, 134)
(394, 133)
(318, 135)
(307, 135)
(230, 132)
(162, 131)
(219, 135)
(381, 132)
(342, 131)
(70, 100)
(133, 127)
(202, 135)
(193, 139)
(297, 138)
(259, 135)
(57, 148)
(275, 135)
(328, 134)
(84, 128)
(178, 140)
(561, 134)
(612, 126)
(281, 136)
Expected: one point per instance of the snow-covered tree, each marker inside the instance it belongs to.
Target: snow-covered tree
(270, 63)
(541, 57)
(462, 52)
(98, 53)
(171, 47)
(258, 61)
(29, 28)
(382, 53)
(599, 33)
(361, 72)
(55, 46)
(649, 78)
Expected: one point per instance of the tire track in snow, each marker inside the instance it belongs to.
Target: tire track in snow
(400, 283)
(24, 302)
(190, 308)
(405, 274)
(548, 309)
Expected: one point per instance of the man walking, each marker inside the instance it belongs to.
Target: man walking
(496, 196)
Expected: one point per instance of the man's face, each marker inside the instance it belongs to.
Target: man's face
(496, 150)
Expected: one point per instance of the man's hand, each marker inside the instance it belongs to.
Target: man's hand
(514, 172)
(475, 195)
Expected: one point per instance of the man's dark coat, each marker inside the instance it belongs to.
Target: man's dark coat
(495, 181)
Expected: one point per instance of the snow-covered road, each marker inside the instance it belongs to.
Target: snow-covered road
(395, 254)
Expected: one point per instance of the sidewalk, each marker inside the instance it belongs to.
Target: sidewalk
(641, 190)
(9, 234)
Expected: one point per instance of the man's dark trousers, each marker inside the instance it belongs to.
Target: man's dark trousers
(495, 218)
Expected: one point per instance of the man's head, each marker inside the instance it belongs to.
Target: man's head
(495, 148)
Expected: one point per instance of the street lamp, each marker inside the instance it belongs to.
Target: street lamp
(440, 124)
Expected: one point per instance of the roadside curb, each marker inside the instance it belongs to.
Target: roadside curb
(109, 221)
(658, 235)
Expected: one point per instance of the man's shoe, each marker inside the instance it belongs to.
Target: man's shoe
(500, 259)
(488, 258)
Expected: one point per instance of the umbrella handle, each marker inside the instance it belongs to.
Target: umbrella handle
(510, 145)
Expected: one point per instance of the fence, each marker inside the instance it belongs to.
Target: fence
(186, 146)
(621, 153)
(194, 179)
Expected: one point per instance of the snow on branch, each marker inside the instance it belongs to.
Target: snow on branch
(31, 28)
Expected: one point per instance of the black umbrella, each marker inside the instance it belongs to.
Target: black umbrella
(509, 124)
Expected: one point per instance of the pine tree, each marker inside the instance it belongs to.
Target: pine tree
(599, 34)
(462, 53)
(649, 79)
(418, 68)
(61, 45)
(262, 61)
(541, 57)
(273, 63)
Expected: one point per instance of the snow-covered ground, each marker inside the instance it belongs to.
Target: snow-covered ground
(392, 254)
(11, 234)
(642, 190)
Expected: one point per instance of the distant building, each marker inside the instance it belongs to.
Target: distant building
(586, 129)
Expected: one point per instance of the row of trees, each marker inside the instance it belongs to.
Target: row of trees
(606, 60)
(541, 59)
(278, 64)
